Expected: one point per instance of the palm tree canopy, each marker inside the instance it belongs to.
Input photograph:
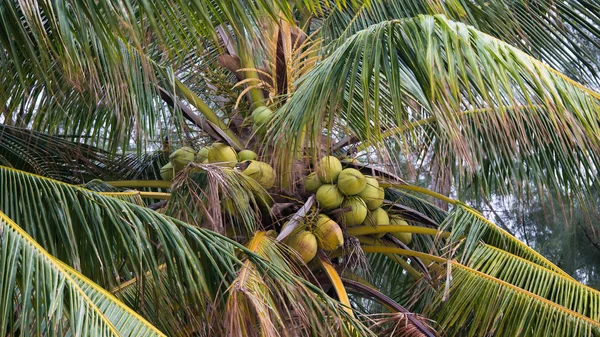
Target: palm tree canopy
(229, 119)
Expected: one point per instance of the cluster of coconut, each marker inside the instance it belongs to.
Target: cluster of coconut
(356, 200)
(322, 232)
(221, 154)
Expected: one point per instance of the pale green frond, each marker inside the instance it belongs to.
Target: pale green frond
(470, 303)
(469, 228)
(538, 280)
(43, 296)
(399, 72)
(478, 304)
(564, 35)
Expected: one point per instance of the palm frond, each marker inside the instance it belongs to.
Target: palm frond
(563, 35)
(478, 304)
(538, 280)
(43, 296)
(465, 222)
(400, 73)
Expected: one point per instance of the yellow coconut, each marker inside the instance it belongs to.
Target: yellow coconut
(305, 243)
(261, 172)
(329, 197)
(329, 234)
(261, 115)
(166, 172)
(372, 194)
(375, 218)
(202, 155)
(312, 183)
(351, 181)
(247, 155)
(406, 238)
(221, 153)
(356, 213)
(328, 169)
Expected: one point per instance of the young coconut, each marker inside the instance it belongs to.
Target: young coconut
(376, 218)
(357, 214)
(372, 194)
(328, 169)
(247, 155)
(312, 183)
(329, 197)
(166, 172)
(329, 234)
(261, 115)
(406, 238)
(351, 181)
(202, 155)
(305, 243)
(181, 157)
(221, 153)
(261, 172)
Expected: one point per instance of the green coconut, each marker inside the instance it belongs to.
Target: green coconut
(406, 238)
(221, 153)
(329, 234)
(312, 183)
(181, 157)
(261, 115)
(329, 197)
(202, 155)
(372, 194)
(375, 218)
(247, 155)
(357, 213)
(351, 181)
(328, 169)
(305, 243)
(166, 172)
(261, 172)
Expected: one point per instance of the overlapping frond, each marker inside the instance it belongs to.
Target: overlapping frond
(478, 305)
(43, 296)
(490, 113)
(538, 280)
(564, 35)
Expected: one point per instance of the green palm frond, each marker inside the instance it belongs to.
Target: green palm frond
(52, 298)
(471, 303)
(478, 305)
(563, 35)
(113, 241)
(494, 106)
(465, 222)
(538, 280)
(133, 197)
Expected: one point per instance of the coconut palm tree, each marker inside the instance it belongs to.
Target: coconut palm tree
(434, 100)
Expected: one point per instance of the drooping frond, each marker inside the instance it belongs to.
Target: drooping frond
(43, 296)
(478, 305)
(538, 280)
(564, 35)
(465, 222)
(111, 241)
(491, 113)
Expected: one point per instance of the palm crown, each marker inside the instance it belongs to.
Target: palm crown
(278, 132)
